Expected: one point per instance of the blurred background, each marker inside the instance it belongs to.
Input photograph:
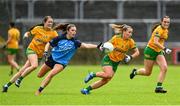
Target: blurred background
(92, 18)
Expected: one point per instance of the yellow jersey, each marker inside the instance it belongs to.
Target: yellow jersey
(14, 33)
(162, 34)
(121, 47)
(40, 38)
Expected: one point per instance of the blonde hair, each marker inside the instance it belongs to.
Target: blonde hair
(120, 28)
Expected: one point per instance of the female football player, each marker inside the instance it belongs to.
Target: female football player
(12, 45)
(41, 35)
(122, 43)
(64, 47)
(153, 53)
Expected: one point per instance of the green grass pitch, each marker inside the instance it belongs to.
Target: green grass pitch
(64, 89)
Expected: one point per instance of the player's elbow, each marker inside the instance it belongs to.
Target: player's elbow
(137, 53)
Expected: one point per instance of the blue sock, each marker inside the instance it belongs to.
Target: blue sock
(89, 88)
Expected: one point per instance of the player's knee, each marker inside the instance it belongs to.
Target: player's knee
(34, 66)
(164, 68)
(108, 76)
(51, 75)
(9, 61)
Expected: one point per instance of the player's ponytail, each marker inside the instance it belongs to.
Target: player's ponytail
(155, 26)
(61, 27)
(117, 28)
(35, 26)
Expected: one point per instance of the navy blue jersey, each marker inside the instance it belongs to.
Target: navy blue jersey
(64, 49)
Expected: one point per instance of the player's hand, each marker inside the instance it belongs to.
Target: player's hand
(128, 58)
(25, 35)
(45, 55)
(99, 46)
(167, 50)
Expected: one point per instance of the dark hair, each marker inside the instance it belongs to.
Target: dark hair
(12, 24)
(60, 26)
(69, 26)
(41, 24)
(46, 18)
(164, 17)
(157, 24)
(35, 26)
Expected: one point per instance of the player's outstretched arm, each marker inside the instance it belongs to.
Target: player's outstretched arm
(88, 45)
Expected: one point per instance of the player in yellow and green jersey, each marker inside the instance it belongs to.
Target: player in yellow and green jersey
(12, 46)
(41, 35)
(153, 53)
(122, 43)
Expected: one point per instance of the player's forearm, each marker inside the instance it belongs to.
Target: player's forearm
(47, 47)
(85, 45)
(136, 53)
(8, 40)
(156, 42)
(159, 45)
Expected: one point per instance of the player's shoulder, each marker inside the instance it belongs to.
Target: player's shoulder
(37, 27)
(11, 30)
(159, 28)
(131, 40)
(117, 36)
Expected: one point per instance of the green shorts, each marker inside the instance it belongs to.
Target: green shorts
(150, 54)
(108, 62)
(12, 51)
(30, 51)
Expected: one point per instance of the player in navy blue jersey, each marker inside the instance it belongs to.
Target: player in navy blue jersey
(63, 48)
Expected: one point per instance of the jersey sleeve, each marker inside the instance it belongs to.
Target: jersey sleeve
(77, 43)
(132, 44)
(34, 31)
(31, 28)
(111, 40)
(157, 32)
(55, 40)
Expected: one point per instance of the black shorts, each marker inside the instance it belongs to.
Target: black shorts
(50, 62)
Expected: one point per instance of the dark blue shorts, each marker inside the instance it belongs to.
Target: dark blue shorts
(50, 62)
